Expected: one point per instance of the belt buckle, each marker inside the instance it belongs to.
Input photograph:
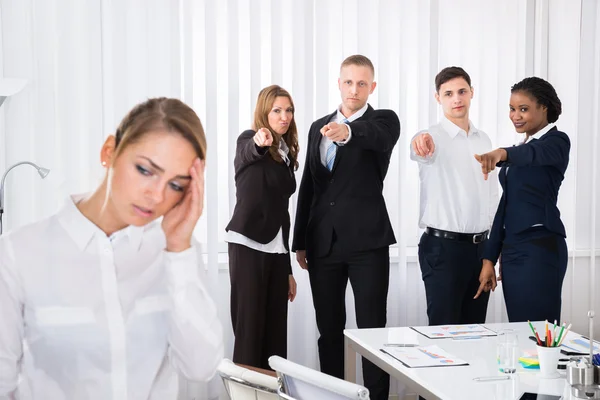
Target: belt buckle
(478, 235)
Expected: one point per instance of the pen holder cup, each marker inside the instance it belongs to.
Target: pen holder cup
(580, 374)
(548, 357)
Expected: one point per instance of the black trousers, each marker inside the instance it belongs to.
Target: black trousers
(259, 299)
(534, 264)
(450, 270)
(368, 273)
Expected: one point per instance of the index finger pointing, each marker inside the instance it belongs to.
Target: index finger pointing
(481, 287)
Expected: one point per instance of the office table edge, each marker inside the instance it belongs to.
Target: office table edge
(352, 348)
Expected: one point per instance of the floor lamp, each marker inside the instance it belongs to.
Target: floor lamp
(43, 172)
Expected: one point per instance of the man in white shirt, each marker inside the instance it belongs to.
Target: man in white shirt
(457, 206)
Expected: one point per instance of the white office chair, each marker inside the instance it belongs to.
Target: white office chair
(297, 382)
(245, 384)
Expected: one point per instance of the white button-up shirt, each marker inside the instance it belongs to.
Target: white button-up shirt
(454, 195)
(101, 318)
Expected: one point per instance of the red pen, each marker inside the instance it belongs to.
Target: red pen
(538, 338)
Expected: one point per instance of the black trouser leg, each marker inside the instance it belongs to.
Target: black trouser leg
(369, 275)
(450, 270)
(259, 287)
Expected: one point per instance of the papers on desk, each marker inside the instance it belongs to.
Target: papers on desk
(426, 356)
(575, 344)
(454, 331)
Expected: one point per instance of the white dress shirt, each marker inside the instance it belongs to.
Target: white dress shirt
(339, 117)
(275, 246)
(101, 318)
(454, 195)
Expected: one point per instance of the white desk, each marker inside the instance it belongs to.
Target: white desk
(455, 383)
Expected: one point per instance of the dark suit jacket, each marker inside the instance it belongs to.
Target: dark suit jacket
(347, 200)
(263, 189)
(530, 189)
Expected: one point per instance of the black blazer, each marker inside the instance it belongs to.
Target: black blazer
(263, 189)
(536, 170)
(349, 199)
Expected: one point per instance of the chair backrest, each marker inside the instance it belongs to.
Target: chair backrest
(301, 383)
(245, 384)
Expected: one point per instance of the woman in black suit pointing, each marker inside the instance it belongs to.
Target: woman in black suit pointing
(259, 259)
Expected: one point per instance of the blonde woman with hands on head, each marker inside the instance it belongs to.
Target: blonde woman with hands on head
(109, 299)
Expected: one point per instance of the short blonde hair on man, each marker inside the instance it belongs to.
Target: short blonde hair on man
(359, 60)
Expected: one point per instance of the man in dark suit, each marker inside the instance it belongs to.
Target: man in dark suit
(342, 228)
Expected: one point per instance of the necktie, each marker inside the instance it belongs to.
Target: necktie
(331, 151)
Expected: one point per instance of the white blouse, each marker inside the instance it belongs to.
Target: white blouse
(84, 316)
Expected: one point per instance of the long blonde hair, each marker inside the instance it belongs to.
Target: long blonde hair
(264, 104)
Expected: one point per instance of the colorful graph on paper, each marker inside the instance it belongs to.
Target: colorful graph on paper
(578, 344)
(420, 357)
(454, 331)
(442, 359)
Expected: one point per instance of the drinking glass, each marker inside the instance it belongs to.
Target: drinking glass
(507, 350)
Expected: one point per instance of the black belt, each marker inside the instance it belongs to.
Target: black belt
(461, 237)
